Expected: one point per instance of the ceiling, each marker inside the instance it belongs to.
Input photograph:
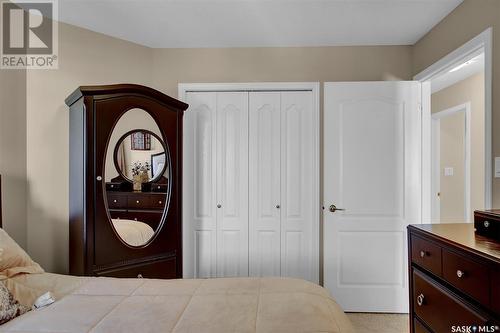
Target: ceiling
(474, 65)
(253, 23)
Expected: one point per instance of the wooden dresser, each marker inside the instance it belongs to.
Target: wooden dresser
(454, 279)
(146, 207)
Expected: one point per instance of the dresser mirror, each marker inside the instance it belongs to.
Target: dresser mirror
(137, 173)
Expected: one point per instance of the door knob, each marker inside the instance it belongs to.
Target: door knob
(334, 208)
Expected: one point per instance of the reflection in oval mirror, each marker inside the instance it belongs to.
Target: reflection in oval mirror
(137, 173)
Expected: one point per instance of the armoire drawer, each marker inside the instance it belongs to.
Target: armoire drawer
(426, 254)
(438, 308)
(165, 269)
(470, 277)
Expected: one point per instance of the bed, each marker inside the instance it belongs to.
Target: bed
(133, 232)
(88, 304)
(101, 304)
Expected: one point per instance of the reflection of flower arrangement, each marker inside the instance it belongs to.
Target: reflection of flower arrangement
(138, 168)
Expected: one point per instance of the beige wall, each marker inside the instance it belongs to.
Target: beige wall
(452, 155)
(469, 90)
(173, 66)
(467, 21)
(85, 58)
(13, 152)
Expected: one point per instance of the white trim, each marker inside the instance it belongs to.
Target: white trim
(466, 108)
(436, 171)
(314, 87)
(483, 41)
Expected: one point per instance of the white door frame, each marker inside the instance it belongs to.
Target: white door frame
(314, 87)
(484, 42)
(436, 117)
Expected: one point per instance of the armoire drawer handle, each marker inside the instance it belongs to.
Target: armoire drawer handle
(138, 202)
(486, 224)
(139, 276)
(278, 206)
(219, 205)
(160, 202)
(460, 273)
(420, 299)
(422, 254)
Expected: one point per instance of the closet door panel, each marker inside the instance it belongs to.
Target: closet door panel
(297, 184)
(264, 183)
(199, 212)
(232, 184)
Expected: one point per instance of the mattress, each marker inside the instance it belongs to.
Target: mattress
(134, 233)
(210, 305)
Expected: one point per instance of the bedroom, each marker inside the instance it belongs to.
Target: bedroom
(104, 42)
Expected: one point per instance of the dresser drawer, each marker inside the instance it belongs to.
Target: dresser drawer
(440, 310)
(116, 201)
(165, 269)
(468, 276)
(153, 219)
(426, 255)
(495, 291)
(418, 327)
(158, 201)
(138, 201)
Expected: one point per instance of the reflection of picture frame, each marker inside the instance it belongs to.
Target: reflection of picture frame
(157, 164)
(140, 141)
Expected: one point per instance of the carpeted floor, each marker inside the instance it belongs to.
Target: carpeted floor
(379, 323)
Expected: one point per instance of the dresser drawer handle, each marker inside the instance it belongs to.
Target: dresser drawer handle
(486, 224)
(420, 299)
(138, 202)
(422, 254)
(160, 202)
(460, 273)
(139, 276)
(115, 201)
(135, 218)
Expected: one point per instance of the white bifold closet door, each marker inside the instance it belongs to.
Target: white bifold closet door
(217, 207)
(250, 204)
(282, 171)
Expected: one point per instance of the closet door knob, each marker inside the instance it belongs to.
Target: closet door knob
(99, 178)
(219, 205)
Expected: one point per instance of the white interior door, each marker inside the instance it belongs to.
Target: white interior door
(299, 190)
(199, 186)
(265, 180)
(232, 184)
(372, 170)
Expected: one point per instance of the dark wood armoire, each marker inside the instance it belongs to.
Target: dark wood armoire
(125, 182)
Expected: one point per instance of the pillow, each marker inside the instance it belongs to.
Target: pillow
(9, 307)
(13, 259)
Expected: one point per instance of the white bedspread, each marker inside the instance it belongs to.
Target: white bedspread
(133, 232)
(211, 305)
